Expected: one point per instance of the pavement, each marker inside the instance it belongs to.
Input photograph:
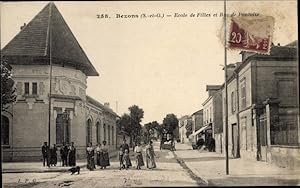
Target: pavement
(37, 167)
(183, 167)
(168, 173)
(210, 166)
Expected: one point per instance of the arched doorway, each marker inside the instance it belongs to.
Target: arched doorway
(104, 132)
(62, 128)
(4, 130)
(89, 131)
(98, 132)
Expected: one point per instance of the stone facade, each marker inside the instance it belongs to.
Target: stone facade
(265, 123)
(28, 121)
(212, 115)
(50, 71)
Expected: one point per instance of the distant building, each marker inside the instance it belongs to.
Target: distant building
(212, 115)
(197, 123)
(182, 123)
(74, 116)
(263, 107)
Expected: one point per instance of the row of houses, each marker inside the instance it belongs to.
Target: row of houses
(74, 116)
(263, 108)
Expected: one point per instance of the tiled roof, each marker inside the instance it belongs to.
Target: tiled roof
(98, 104)
(48, 31)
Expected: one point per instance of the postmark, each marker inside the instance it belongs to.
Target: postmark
(252, 34)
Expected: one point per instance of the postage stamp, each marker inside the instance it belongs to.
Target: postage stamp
(251, 34)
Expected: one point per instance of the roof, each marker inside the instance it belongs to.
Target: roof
(276, 53)
(98, 104)
(293, 44)
(48, 34)
(213, 87)
(198, 112)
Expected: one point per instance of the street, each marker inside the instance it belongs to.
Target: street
(168, 173)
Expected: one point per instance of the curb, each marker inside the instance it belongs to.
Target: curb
(200, 181)
(49, 170)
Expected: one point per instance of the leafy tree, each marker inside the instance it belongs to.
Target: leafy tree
(8, 91)
(170, 122)
(136, 116)
(124, 123)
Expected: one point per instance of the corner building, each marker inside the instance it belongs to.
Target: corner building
(74, 117)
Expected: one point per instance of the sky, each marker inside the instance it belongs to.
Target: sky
(160, 64)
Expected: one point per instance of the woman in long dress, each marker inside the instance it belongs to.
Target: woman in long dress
(150, 156)
(139, 156)
(90, 157)
(98, 154)
(104, 160)
(72, 155)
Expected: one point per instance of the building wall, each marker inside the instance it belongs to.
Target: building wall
(247, 131)
(29, 115)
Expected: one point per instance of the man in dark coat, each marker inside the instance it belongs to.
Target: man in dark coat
(72, 155)
(53, 155)
(45, 152)
(125, 146)
(64, 154)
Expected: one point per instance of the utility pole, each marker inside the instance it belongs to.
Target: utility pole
(226, 94)
(50, 81)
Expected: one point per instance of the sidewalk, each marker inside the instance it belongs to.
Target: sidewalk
(37, 167)
(210, 167)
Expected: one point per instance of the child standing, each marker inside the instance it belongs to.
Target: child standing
(121, 154)
(126, 159)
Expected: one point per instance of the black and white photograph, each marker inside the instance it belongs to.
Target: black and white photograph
(149, 93)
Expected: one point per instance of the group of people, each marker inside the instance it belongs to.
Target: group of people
(102, 156)
(67, 154)
(101, 151)
(124, 157)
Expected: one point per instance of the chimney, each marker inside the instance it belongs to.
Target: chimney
(22, 27)
(230, 69)
(106, 104)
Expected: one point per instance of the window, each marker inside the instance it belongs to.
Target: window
(287, 88)
(108, 135)
(62, 128)
(243, 94)
(113, 135)
(26, 88)
(89, 131)
(233, 103)
(98, 132)
(34, 88)
(4, 130)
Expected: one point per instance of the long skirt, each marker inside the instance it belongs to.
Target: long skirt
(150, 162)
(98, 158)
(139, 160)
(127, 161)
(91, 163)
(72, 160)
(104, 160)
(53, 159)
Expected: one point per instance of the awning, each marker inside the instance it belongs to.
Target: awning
(201, 130)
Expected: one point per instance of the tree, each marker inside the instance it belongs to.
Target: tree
(136, 116)
(124, 123)
(8, 91)
(170, 122)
